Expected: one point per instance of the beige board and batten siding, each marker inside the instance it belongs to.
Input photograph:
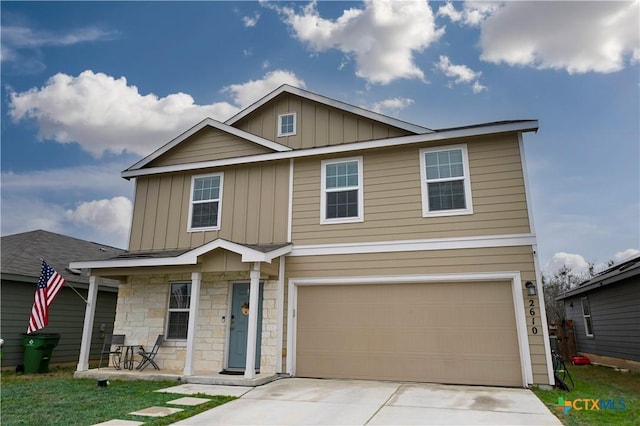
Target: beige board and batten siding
(255, 202)
(209, 144)
(437, 262)
(317, 125)
(393, 203)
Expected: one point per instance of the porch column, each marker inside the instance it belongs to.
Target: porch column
(87, 330)
(252, 331)
(196, 278)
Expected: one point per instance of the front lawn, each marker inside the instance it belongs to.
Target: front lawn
(618, 392)
(56, 398)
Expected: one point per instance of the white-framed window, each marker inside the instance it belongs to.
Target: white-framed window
(178, 310)
(341, 195)
(446, 186)
(586, 314)
(287, 124)
(206, 202)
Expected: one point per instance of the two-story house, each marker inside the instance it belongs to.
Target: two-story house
(372, 248)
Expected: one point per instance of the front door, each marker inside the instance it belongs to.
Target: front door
(240, 325)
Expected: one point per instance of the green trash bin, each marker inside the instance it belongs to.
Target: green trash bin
(37, 351)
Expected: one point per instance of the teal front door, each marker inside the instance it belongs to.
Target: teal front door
(240, 325)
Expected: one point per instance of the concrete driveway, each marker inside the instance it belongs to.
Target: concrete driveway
(297, 401)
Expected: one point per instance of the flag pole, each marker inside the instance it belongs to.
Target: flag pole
(72, 288)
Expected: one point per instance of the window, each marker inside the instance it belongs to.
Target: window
(586, 314)
(341, 196)
(286, 124)
(206, 196)
(179, 303)
(446, 187)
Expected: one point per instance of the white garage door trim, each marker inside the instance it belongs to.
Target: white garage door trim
(516, 290)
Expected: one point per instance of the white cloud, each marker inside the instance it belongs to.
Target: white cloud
(383, 36)
(578, 37)
(41, 200)
(392, 106)
(575, 262)
(472, 13)
(250, 21)
(21, 45)
(247, 93)
(461, 74)
(111, 216)
(105, 114)
(625, 255)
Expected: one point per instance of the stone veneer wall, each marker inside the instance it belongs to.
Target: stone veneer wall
(142, 313)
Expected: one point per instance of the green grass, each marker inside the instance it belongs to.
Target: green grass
(595, 382)
(56, 398)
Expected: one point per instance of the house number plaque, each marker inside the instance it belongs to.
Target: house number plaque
(532, 313)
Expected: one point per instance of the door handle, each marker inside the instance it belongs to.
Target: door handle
(232, 321)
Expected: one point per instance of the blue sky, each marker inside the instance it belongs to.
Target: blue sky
(89, 88)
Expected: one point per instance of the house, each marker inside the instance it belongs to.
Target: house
(21, 266)
(605, 315)
(372, 247)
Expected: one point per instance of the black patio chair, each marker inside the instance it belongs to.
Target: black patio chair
(110, 341)
(148, 356)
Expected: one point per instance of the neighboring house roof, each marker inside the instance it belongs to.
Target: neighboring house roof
(285, 88)
(21, 254)
(433, 136)
(249, 253)
(613, 275)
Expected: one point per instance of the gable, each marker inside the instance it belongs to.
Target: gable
(318, 124)
(208, 144)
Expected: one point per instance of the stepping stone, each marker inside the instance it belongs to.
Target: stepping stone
(157, 411)
(192, 388)
(188, 400)
(117, 422)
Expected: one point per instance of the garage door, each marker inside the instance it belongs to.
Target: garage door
(462, 333)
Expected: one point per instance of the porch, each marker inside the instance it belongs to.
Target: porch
(202, 378)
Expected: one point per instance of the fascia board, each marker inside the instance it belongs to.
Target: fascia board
(519, 126)
(209, 122)
(329, 102)
(188, 258)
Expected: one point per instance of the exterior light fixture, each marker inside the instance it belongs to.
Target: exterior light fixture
(531, 288)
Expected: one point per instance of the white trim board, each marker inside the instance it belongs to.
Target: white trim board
(508, 240)
(440, 136)
(516, 289)
(188, 258)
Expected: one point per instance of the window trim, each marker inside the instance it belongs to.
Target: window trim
(323, 191)
(585, 316)
(467, 182)
(295, 120)
(170, 310)
(216, 227)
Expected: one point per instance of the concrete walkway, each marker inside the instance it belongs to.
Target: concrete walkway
(358, 402)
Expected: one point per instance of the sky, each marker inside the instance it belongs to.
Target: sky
(89, 88)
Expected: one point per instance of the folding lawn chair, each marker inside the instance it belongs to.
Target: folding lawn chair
(148, 356)
(111, 340)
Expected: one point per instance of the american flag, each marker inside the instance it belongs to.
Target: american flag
(49, 285)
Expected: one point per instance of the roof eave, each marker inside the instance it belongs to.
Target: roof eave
(189, 258)
(480, 130)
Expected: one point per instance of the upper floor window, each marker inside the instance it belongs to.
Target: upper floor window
(286, 124)
(178, 310)
(446, 187)
(206, 202)
(341, 195)
(586, 314)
